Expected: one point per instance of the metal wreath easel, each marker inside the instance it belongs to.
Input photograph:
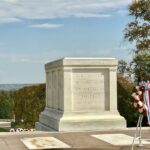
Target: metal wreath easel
(138, 135)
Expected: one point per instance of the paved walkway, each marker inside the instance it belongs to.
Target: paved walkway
(77, 140)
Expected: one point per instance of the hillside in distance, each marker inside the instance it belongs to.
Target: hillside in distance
(12, 87)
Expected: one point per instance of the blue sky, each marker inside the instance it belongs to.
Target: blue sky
(33, 32)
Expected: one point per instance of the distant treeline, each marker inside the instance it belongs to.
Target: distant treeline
(25, 104)
(13, 87)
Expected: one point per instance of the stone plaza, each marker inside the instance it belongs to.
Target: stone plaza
(73, 140)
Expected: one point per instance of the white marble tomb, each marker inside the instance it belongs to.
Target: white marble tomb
(81, 94)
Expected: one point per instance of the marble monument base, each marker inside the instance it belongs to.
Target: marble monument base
(81, 95)
(52, 121)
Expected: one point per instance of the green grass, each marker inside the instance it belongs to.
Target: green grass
(4, 130)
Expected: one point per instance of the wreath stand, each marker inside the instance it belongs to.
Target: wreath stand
(137, 135)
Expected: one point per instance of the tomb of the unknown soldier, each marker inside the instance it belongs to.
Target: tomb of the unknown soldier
(81, 94)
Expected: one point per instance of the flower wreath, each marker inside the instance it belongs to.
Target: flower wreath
(20, 130)
(138, 102)
(141, 99)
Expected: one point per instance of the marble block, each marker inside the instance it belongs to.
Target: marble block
(81, 94)
(118, 139)
(36, 143)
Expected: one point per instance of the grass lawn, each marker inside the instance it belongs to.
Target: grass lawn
(4, 130)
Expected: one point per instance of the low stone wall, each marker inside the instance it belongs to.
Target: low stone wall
(6, 124)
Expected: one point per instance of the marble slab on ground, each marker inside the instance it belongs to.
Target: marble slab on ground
(43, 143)
(118, 139)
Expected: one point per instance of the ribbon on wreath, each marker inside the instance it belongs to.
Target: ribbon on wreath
(145, 87)
(141, 99)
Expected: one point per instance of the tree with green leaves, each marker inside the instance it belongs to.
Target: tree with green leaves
(28, 103)
(141, 66)
(124, 69)
(6, 105)
(138, 30)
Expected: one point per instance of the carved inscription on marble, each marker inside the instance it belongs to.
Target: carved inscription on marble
(89, 90)
(49, 89)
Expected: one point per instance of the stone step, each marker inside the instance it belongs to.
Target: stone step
(5, 124)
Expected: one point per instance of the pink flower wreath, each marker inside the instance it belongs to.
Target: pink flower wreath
(137, 99)
(141, 99)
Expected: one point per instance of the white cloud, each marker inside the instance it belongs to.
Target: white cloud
(92, 15)
(123, 12)
(9, 20)
(47, 26)
(21, 58)
(10, 1)
(120, 52)
(11, 10)
(27, 61)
